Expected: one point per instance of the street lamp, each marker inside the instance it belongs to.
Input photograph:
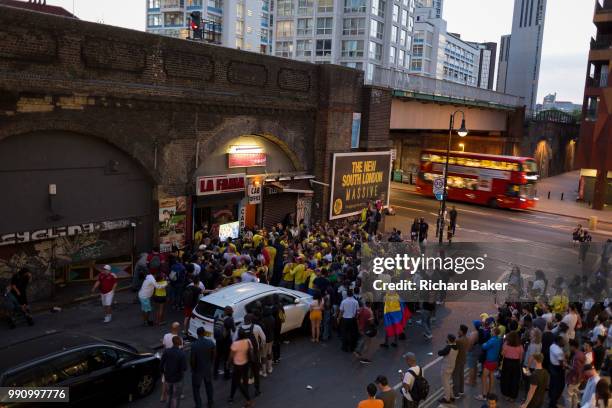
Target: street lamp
(462, 146)
(462, 132)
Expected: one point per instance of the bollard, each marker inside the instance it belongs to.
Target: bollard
(562, 196)
(592, 223)
(549, 195)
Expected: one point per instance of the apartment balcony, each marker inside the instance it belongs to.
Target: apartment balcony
(603, 13)
(172, 5)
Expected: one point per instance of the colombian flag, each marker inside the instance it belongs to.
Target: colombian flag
(396, 315)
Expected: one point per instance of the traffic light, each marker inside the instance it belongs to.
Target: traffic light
(196, 24)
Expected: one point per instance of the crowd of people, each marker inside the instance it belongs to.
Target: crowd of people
(539, 351)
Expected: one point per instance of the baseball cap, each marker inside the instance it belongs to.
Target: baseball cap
(202, 247)
(484, 316)
(107, 267)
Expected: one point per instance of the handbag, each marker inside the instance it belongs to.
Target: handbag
(371, 330)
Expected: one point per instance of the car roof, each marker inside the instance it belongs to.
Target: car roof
(238, 292)
(26, 351)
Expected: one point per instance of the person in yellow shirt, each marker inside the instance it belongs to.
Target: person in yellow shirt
(311, 275)
(559, 302)
(257, 238)
(271, 255)
(371, 402)
(288, 276)
(299, 272)
(237, 273)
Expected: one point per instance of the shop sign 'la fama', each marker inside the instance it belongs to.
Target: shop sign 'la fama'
(228, 183)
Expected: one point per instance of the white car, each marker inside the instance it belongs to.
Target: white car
(241, 296)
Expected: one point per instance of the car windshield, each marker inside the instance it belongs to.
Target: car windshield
(208, 310)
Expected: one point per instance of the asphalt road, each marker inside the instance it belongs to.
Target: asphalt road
(483, 224)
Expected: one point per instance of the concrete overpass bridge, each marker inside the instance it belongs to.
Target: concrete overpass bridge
(421, 109)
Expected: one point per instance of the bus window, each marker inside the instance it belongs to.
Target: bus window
(530, 166)
(513, 190)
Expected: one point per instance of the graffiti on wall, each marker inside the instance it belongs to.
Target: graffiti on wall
(44, 257)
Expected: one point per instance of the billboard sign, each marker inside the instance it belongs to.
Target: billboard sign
(358, 178)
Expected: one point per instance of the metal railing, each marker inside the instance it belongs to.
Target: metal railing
(602, 42)
(402, 81)
(603, 6)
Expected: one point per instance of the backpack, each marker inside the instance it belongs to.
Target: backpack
(219, 329)
(250, 334)
(191, 295)
(420, 387)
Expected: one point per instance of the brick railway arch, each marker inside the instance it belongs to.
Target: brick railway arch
(75, 128)
(267, 130)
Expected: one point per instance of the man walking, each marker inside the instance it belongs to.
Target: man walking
(423, 230)
(202, 357)
(556, 368)
(106, 283)
(348, 323)
(449, 358)
(223, 328)
(173, 366)
(574, 375)
(408, 379)
(453, 219)
(459, 371)
(538, 382)
(19, 289)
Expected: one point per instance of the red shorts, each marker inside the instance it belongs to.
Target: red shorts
(490, 365)
(187, 311)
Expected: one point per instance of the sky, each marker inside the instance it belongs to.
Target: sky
(568, 28)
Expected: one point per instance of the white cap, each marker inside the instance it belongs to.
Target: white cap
(107, 267)
(202, 247)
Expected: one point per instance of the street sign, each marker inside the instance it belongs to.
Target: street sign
(254, 194)
(438, 188)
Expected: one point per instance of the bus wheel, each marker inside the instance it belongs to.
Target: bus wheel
(493, 203)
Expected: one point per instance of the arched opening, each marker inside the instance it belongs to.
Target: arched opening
(76, 203)
(251, 179)
(570, 153)
(543, 156)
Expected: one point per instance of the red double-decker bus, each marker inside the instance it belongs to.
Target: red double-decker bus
(496, 181)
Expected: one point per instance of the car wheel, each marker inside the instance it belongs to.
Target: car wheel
(145, 385)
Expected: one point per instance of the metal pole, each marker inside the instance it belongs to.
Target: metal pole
(443, 203)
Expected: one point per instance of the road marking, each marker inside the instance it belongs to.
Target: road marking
(408, 208)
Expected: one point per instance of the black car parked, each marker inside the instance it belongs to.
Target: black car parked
(95, 370)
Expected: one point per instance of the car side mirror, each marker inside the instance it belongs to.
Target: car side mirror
(120, 362)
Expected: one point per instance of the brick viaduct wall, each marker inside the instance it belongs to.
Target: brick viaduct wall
(157, 98)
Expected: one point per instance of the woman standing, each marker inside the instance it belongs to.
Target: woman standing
(239, 356)
(316, 316)
(512, 353)
(159, 297)
(535, 347)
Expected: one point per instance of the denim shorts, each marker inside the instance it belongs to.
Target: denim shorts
(145, 304)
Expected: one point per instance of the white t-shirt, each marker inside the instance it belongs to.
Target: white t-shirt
(409, 380)
(556, 355)
(248, 277)
(598, 330)
(148, 287)
(167, 340)
(571, 319)
(349, 307)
